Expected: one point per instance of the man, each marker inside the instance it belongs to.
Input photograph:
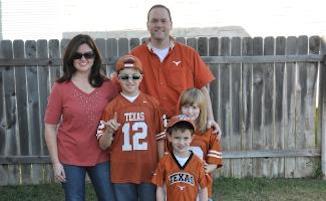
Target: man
(171, 67)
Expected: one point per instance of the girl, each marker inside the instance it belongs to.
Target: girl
(205, 144)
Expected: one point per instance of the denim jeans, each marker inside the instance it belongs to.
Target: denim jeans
(74, 187)
(135, 192)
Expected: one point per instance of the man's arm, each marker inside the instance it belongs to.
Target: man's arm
(211, 123)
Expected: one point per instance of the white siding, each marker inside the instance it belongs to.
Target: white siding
(31, 19)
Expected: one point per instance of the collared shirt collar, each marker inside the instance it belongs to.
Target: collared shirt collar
(171, 45)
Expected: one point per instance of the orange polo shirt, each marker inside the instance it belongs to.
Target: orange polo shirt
(181, 69)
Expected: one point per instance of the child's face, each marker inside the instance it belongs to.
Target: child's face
(192, 111)
(180, 141)
(130, 79)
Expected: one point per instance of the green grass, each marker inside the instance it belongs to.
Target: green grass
(225, 189)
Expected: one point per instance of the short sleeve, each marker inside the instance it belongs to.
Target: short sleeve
(54, 108)
(214, 155)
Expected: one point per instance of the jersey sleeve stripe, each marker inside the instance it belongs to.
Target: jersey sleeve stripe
(215, 152)
(160, 135)
(214, 156)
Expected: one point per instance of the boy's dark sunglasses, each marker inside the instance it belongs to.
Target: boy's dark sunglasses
(127, 77)
(87, 55)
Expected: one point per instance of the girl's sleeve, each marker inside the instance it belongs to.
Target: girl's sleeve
(214, 155)
(54, 107)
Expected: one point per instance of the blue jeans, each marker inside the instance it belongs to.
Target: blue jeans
(135, 192)
(74, 187)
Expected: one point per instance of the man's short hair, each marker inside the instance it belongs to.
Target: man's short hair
(159, 6)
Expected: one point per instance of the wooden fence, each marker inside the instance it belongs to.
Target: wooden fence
(264, 98)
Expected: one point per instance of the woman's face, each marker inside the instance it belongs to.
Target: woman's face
(83, 59)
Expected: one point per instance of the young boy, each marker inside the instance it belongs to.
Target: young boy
(130, 126)
(181, 172)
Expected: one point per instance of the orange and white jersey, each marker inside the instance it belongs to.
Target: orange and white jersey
(182, 182)
(207, 147)
(133, 153)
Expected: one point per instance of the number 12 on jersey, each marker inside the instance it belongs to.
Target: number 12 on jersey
(134, 142)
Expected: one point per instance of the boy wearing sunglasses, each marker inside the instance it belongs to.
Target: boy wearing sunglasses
(130, 128)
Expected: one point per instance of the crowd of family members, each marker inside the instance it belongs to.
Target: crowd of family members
(159, 78)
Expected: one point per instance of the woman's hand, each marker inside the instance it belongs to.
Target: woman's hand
(59, 172)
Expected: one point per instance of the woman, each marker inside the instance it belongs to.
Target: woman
(74, 109)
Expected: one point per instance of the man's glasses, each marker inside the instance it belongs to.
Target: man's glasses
(87, 55)
(127, 77)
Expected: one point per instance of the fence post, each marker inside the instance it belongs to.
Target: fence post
(322, 103)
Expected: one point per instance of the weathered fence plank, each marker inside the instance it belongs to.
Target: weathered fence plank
(123, 46)
(268, 106)
(258, 84)
(43, 87)
(225, 106)
(247, 107)
(42, 52)
(213, 87)
(280, 103)
(322, 108)
(112, 51)
(34, 123)
(289, 140)
(192, 42)
(21, 94)
(101, 45)
(54, 53)
(134, 42)
(22, 113)
(2, 115)
(235, 101)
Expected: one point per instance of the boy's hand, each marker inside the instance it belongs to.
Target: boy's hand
(112, 125)
(106, 130)
(209, 167)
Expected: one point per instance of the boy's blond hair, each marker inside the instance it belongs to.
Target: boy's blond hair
(194, 96)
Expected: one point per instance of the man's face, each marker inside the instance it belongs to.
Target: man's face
(159, 24)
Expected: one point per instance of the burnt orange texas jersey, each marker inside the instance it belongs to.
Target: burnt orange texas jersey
(133, 153)
(182, 182)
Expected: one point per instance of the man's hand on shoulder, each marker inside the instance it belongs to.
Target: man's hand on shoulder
(216, 128)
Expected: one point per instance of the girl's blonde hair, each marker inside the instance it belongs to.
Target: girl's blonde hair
(194, 96)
